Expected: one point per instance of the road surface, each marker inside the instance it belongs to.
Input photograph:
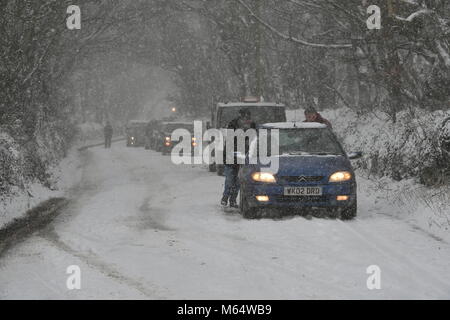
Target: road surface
(141, 227)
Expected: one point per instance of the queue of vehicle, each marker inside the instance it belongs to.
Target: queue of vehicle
(314, 173)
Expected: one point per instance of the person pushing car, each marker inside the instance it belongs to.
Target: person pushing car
(311, 115)
(231, 189)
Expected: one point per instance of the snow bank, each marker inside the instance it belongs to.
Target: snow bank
(21, 192)
(41, 168)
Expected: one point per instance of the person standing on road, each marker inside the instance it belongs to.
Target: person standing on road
(108, 130)
(231, 189)
(312, 115)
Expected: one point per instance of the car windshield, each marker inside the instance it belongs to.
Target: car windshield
(315, 141)
(259, 114)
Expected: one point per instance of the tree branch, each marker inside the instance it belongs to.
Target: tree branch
(290, 38)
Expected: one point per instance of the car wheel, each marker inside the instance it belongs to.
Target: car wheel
(349, 213)
(212, 167)
(219, 170)
(246, 211)
(333, 213)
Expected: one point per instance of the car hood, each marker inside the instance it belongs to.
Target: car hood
(312, 165)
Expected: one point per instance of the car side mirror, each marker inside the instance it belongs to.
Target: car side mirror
(355, 155)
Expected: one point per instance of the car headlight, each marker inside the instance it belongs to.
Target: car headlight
(340, 176)
(132, 138)
(263, 177)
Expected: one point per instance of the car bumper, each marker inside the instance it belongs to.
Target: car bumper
(276, 196)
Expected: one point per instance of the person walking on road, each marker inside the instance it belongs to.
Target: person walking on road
(108, 130)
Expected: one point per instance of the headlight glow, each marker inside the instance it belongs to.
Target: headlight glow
(263, 177)
(340, 176)
(262, 198)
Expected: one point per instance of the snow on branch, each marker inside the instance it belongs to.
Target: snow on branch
(414, 15)
(443, 53)
(290, 38)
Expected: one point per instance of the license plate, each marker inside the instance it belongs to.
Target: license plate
(303, 191)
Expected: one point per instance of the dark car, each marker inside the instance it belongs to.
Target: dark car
(135, 133)
(314, 173)
(165, 142)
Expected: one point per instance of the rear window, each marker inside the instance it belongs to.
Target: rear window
(260, 115)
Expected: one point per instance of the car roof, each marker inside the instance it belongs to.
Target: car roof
(177, 122)
(250, 104)
(293, 125)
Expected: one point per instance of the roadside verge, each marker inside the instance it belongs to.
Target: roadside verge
(33, 220)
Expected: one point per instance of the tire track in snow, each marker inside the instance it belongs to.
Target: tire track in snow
(96, 263)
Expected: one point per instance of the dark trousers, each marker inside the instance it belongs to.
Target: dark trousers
(231, 189)
(108, 142)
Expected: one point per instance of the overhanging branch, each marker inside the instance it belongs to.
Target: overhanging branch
(288, 37)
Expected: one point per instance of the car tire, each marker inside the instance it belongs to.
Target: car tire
(349, 213)
(219, 170)
(333, 213)
(212, 167)
(246, 211)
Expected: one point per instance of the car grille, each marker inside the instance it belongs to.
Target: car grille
(299, 179)
(304, 199)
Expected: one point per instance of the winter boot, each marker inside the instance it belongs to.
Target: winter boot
(233, 204)
(224, 201)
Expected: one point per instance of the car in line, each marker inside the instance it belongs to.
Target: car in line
(165, 143)
(135, 133)
(314, 174)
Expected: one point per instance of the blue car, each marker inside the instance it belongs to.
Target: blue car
(314, 173)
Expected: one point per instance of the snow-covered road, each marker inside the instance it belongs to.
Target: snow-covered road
(140, 227)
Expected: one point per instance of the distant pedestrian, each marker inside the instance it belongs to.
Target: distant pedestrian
(312, 115)
(108, 130)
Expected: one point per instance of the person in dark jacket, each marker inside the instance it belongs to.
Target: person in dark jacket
(108, 130)
(312, 115)
(231, 170)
